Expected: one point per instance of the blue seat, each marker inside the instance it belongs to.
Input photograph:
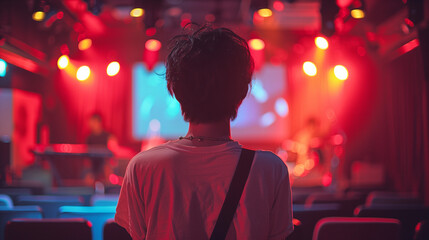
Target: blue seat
(5, 201)
(48, 229)
(97, 215)
(352, 228)
(105, 200)
(49, 204)
(113, 231)
(9, 213)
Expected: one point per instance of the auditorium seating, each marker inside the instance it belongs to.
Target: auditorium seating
(104, 200)
(408, 215)
(309, 215)
(97, 215)
(310, 207)
(9, 213)
(48, 229)
(5, 201)
(112, 231)
(49, 204)
(351, 228)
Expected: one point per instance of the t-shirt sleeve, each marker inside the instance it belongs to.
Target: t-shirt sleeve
(281, 212)
(130, 209)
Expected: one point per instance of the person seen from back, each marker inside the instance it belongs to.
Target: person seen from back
(176, 190)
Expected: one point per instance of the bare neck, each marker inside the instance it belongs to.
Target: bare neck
(219, 129)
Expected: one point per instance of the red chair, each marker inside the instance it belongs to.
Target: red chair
(112, 231)
(48, 229)
(352, 228)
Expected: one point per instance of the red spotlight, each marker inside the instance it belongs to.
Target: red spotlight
(151, 53)
(278, 6)
(85, 44)
(256, 44)
(83, 73)
(309, 68)
(63, 61)
(341, 72)
(321, 43)
(153, 45)
(256, 47)
(113, 69)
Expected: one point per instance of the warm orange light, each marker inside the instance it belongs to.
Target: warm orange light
(357, 13)
(265, 12)
(38, 16)
(256, 44)
(83, 73)
(299, 170)
(341, 72)
(63, 61)
(153, 45)
(85, 44)
(137, 12)
(309, 68)
(113, 68)
(321, 43)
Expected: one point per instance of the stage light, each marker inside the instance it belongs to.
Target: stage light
(309, 68)
(83, 73)
(39, 16)
(85, 44)
(321, 43)
(256, 44)
(113, 69)
(153, 45)
(137, 12)
(3, 66)
(265, 12)
(278, 6)
(63, 61)
(341, 72)
(357, 13)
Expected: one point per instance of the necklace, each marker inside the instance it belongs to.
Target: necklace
(201, 138)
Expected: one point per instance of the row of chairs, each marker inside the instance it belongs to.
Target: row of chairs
(97, 215)
(65, 229)
(408, 215)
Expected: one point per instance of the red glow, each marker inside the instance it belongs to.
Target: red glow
(153, 45)
(372, 37)
(339, 151)
(89, 224)
(64, 49)
(60, 15)
(337, 139)
(296, 222)
(114, 179)
(185, 22)
(150, 32)
(418, 227)
(278, 6)
(409, 46)
(327, 179)
(78, 27)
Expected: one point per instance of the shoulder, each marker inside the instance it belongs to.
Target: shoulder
(268, 161)
(153, 156)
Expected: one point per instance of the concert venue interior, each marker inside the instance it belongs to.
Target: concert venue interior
(339, 92)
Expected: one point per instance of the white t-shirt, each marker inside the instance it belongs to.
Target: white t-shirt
(175, 191)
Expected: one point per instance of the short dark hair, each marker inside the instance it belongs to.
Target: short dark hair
(209, 72)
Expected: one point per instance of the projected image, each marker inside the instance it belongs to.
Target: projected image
(261, 117)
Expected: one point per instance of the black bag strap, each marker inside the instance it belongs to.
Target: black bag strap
(233, 195)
